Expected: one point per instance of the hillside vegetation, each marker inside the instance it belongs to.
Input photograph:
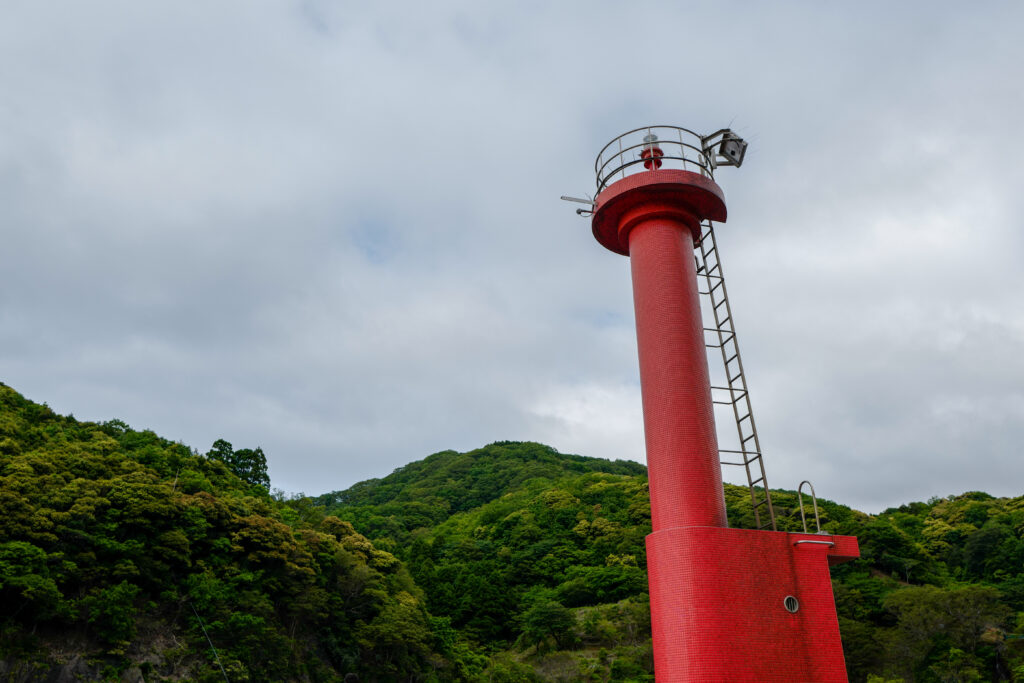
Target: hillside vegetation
(538, 559)
(124, 555)
(512, 562)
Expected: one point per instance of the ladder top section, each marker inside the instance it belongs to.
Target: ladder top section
(654, 147)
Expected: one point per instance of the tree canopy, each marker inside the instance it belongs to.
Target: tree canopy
(125, 546)
(511, 562)
(249, 465)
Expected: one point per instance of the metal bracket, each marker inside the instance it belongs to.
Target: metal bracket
(581, 212)
(724, 148)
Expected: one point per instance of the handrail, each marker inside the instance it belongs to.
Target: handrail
(814, 500)
(646, 129)
(651, 147)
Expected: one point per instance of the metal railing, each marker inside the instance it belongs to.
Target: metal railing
(651, 147)
(814, 500)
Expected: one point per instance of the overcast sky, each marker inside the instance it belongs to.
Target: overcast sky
(333, 229)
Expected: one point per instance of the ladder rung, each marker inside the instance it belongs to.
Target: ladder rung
(709, 266)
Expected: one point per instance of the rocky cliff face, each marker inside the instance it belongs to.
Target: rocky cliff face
(73, 671)
(62, 657)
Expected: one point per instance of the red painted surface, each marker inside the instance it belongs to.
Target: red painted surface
(717, 610)
(678, 413)
(691, 192)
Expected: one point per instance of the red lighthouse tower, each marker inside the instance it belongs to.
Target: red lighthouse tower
(726, 604)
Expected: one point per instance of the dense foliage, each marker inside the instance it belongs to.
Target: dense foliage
(506, 539)
(248, 464)
(939, 592)
(123, 546)
(508, 563)
(537, 559)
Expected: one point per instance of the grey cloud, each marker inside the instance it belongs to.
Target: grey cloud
(333, 230)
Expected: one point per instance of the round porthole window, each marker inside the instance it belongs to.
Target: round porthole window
(791, 604)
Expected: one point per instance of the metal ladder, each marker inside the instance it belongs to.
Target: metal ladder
(735, 393)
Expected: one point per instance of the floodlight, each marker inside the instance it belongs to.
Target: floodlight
(731, 150)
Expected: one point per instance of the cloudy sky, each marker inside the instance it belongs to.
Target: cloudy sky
(332, 229)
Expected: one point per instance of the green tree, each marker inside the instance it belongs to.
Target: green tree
(248, 464)
(25, 579)
(545, 622)
(957, 667)
(932, 619)
(251, 465)
(111, 611)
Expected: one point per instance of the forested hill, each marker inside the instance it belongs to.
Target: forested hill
(537, 559)
(126, 556)
(447, 483)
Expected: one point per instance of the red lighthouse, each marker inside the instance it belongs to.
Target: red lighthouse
(726, 604)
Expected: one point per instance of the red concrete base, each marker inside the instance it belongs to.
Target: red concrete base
(718, 612)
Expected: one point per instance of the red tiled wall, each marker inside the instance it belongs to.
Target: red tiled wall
(678, 413)
(717, 610)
